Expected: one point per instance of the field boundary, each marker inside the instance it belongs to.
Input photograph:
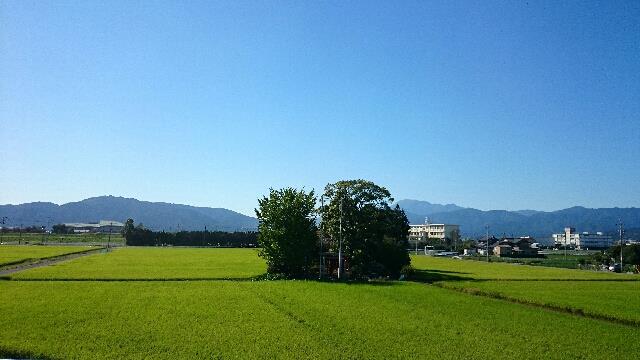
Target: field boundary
(10, 268)
(555, 280)
(18, 262)
(543, 305)
(130, 279)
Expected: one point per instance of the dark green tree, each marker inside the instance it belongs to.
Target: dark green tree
(288, 232)
(375, 234)
(630, 254)
(128, 228)
(61, 229)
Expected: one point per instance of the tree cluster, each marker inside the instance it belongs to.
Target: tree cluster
(27, 229)
(630, 254)
(358, 221)
(139, 236)
(62, 229)
(288, 232)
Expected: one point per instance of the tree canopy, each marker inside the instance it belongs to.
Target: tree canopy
(374, 233)
(288, 232)
(630, 254)
(128, 228)
(62, 229)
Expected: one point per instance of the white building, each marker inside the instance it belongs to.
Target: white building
(583, 240)
(434, 231)
(104, 226)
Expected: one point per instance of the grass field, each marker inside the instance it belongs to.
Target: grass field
(616, 299)
(242, 318)
(554, 259)
(287, 319)
(30, 238)
(450, 269)
(601, 294)
(10, 254)
(155, 263)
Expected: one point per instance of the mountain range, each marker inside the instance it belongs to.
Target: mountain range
(173, 217)
(153, 215)
(540, 224)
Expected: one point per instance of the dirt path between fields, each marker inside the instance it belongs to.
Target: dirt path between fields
(30, 264)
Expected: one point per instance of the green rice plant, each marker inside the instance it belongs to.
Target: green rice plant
(437, 269)
(149, 263)
(613, 300)
(10, 254)
(39, 238)
(288, 319)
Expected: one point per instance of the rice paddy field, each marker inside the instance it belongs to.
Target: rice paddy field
(16, 254)
(175, 303)
(601, 294)
(453, 269)
(156, 263)
(614, 299)
(39, 238)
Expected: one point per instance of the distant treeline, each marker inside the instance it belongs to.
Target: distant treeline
(27, 229)
(146, 237)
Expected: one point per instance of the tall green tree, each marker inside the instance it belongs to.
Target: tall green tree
(630, 254)
(374, 234)
(62, 229)
(128, 228)
(287, 231)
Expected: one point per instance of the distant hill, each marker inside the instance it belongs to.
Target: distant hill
(425, 207)
(171, 217)
(539, 224)
(154, 215)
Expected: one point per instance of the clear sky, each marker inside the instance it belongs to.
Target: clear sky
(493, 105)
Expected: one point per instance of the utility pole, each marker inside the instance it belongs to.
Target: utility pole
(428, 224)
(455, 240)
(321, 238)
(487, 251)
(417, 239)
(340, 245)
(203, 235)
(48, 225)
(3, 220)
(20, 239)
(620, 232)
(109, 238)
(565, 244)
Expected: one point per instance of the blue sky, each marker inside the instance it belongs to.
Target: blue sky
(493, 105)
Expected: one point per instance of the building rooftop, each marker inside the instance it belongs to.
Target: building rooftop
(98, 224)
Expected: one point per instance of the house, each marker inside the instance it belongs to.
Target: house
(525, 247)
(481, 246)
(503, 250)
(515, 247)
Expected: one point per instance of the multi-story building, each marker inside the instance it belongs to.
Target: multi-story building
(434, 231)
(584, 240)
